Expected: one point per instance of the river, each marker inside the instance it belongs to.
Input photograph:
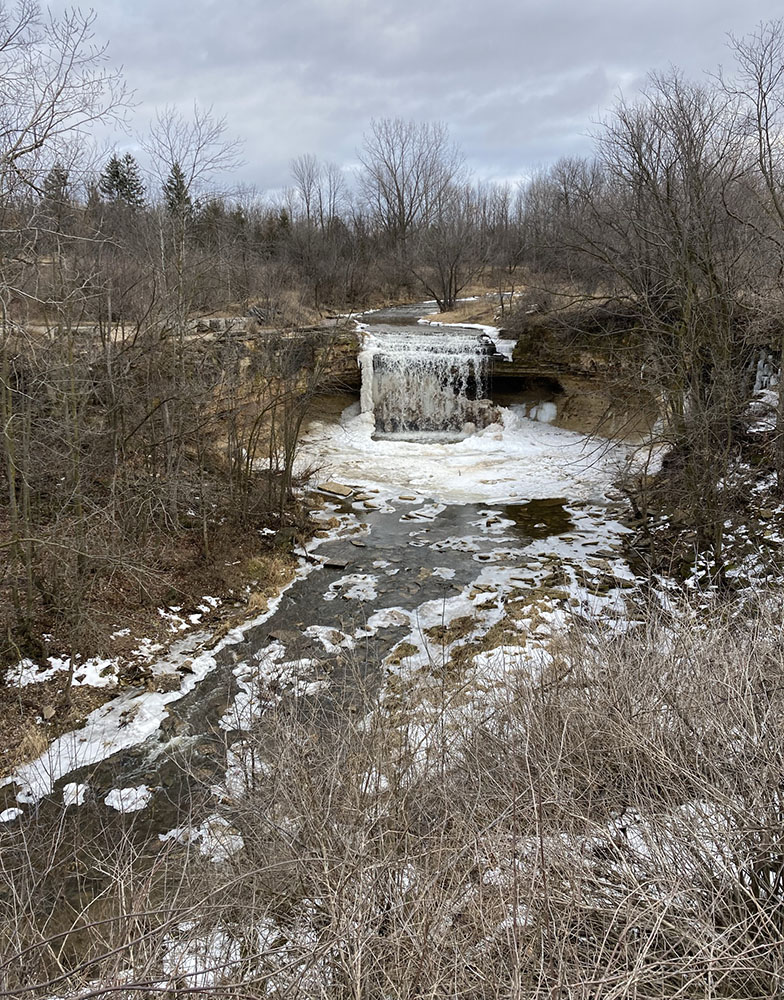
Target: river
(506, 532)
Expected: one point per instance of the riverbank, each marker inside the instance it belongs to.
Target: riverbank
(467, 697)
(44, 699)
(518, 760)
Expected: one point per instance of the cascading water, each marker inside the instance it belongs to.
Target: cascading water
(766, 374)
(433, 384)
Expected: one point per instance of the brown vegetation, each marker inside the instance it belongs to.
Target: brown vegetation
(608, 825)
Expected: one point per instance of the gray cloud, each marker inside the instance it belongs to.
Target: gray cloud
(519, 83)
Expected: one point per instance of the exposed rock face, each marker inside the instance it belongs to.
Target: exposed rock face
(220, 324)
(587, 364)
(594, 358)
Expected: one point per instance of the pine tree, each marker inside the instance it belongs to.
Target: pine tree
(175, 192)
(121, 181)
(55, 203)
(55, 186)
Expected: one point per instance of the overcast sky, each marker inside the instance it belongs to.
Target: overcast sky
(518, 82)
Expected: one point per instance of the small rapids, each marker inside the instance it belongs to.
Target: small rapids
(432, 384)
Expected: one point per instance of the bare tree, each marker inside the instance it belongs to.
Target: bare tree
(508, 246)
(199, 146)
(758, 85)
(647, 224)
(306, 171)
(408, 168)
(449, 251)
(185, 154)
(331, 196)
(54, 87)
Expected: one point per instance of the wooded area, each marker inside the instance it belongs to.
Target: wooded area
(521, 756)
(126, 424)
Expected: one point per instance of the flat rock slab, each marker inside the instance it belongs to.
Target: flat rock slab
(335, 489)
(287, 636)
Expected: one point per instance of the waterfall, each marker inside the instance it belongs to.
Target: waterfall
(766, 373)
(431, 384)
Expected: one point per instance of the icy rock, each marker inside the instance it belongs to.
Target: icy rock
(335, 489)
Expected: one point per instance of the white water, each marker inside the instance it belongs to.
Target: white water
(415, 429)
(425, 384)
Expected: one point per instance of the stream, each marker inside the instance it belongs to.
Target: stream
(520, 514)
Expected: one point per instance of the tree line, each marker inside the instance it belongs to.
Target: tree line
(136, 446)
(117, 422)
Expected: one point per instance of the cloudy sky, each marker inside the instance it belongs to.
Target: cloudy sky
(519, 82)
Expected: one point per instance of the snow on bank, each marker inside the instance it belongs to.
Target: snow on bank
(75, 793)
(127, 800)
(135, 715)
(103, 672)
(96, 672)
(503, 345)
(202, 962)
(763, 409)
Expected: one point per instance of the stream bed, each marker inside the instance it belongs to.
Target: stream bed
(484, 545)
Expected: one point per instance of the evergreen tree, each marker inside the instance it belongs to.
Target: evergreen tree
(55, 205)
(210, 221)
(55, 186)
(121, 181)
(175, 192)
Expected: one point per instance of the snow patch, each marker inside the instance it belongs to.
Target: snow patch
(126, 800)
(95, 672)
(332, 639)
(74, 793)
(217, 839)
(353, 587)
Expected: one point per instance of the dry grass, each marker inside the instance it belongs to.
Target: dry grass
(25, 735)
(268, 573)
(482, 310)
(607, 827)
(32, 740)
(400, 652)
(458, 628)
